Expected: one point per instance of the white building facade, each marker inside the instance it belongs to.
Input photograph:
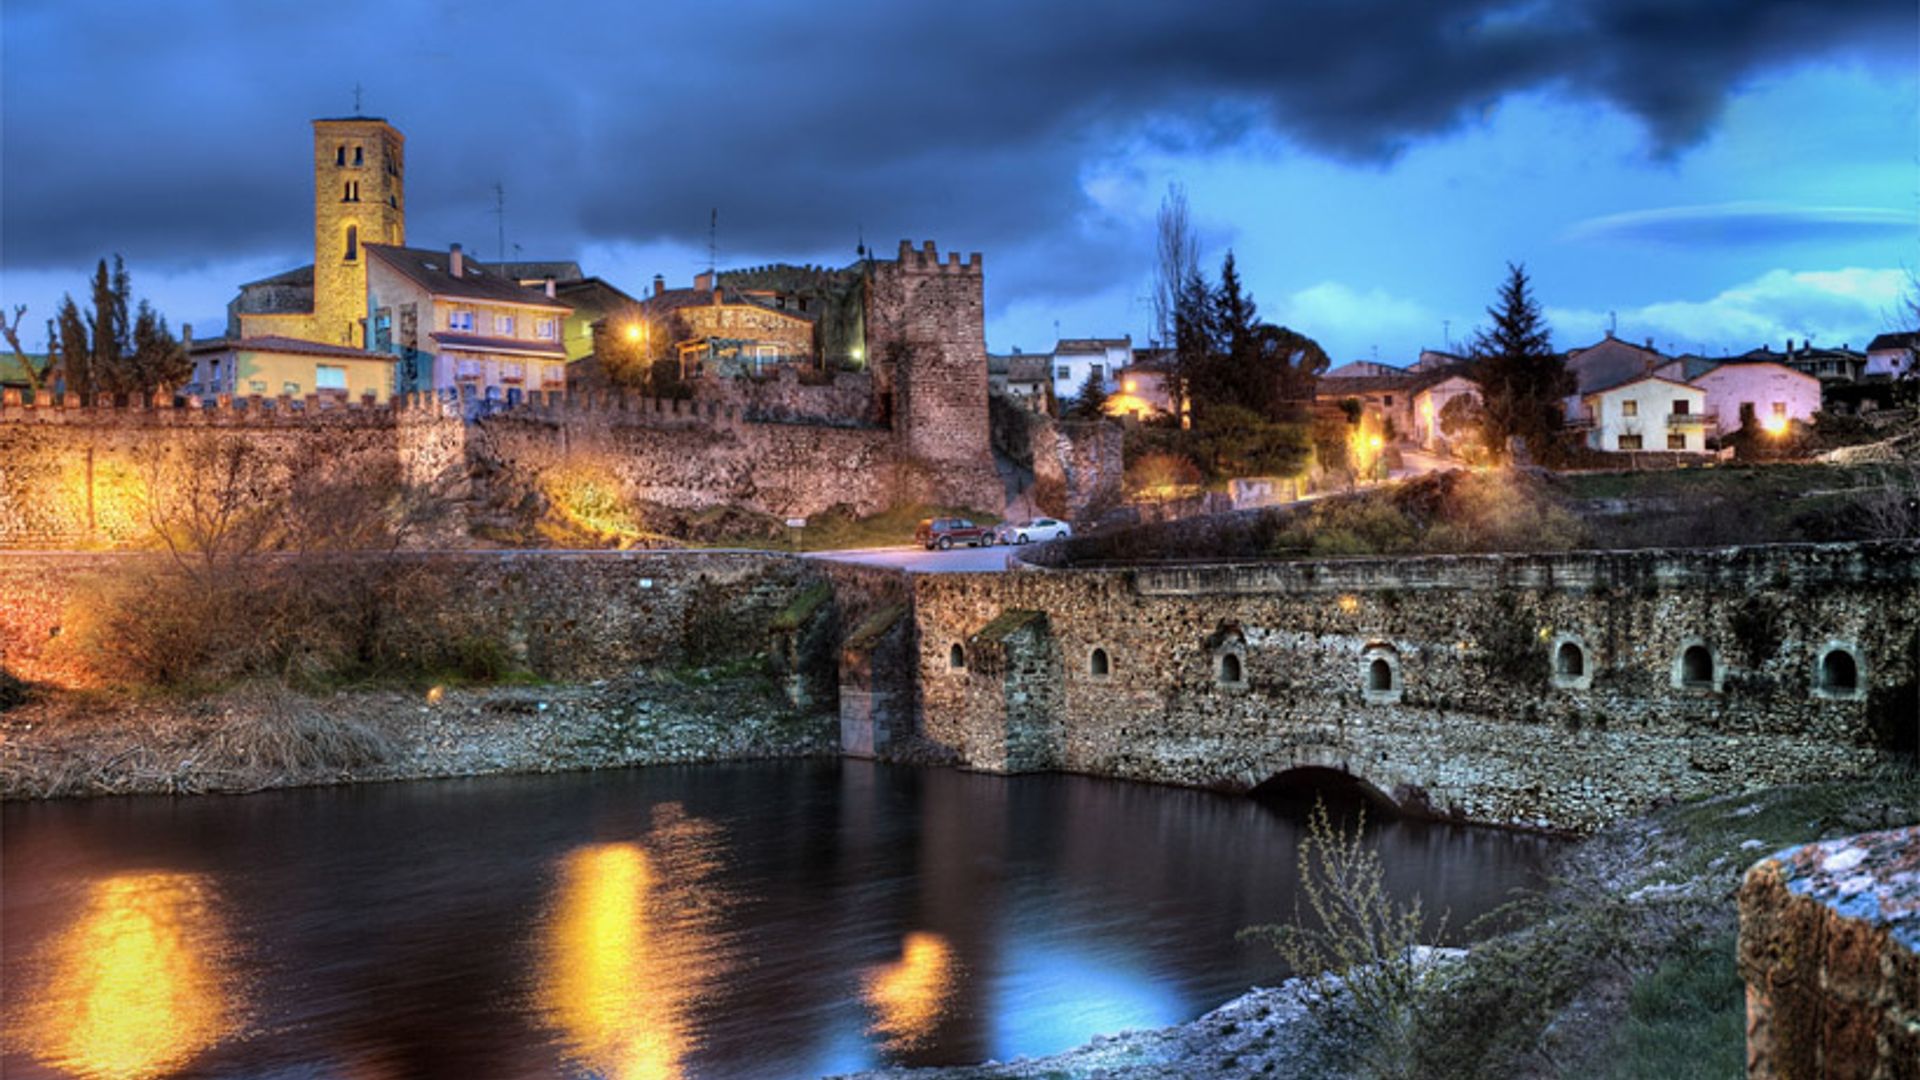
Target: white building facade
(1648, 413)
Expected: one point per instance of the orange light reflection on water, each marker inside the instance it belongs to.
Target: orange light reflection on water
(140, 983)
(628, 950)
(910, 996)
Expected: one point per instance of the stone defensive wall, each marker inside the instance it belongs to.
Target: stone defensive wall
(76, 475)
(562, 615)
(1556, 691)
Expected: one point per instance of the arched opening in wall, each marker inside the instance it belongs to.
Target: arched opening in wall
(359, 155)
(957, 658)
(1569, 661)
(1696, 667)
(1839, 672)
(340, 155)
(1379, 675)
(1293, 793)
(1230, 669)
(1097, 664)
(353, 242)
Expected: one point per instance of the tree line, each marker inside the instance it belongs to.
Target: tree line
(111, 346)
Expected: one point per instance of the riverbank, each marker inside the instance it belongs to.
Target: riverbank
(1624, 966)
(259, 736)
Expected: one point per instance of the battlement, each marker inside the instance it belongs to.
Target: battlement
(926, 259)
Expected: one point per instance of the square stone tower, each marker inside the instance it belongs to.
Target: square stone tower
(927, 344)
(359, 198)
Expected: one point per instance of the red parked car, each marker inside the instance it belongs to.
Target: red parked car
(943, 533)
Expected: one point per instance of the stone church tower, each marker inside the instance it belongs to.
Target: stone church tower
(359, 165)
(359, 198)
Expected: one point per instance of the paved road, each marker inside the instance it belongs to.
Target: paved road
(921, 561)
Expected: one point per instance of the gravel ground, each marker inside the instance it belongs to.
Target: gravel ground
(254, 738)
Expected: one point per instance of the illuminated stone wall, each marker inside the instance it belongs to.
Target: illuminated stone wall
(1473, 718)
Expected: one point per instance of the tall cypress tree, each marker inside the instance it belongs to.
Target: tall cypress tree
(1522, 380)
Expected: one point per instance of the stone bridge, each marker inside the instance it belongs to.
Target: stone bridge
(1557, 691)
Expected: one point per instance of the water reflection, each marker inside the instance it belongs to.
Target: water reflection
(139, 984)
(629, 948)
(909, 997)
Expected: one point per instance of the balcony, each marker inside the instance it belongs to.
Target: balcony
(469, 369)
(1691, 421)
(513, 373)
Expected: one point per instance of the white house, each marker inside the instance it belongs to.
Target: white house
(1893, 356)
(1772, 394)
(1076, 358)
(1647, 413)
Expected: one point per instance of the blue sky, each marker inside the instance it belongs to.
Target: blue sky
(1713, 174)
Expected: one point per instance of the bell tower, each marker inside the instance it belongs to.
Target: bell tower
(359, 198)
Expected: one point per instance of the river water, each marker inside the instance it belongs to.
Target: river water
(763, 920)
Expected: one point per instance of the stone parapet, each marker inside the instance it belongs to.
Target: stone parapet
(1830, 950)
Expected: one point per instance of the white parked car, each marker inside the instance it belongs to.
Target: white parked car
(1031, 532)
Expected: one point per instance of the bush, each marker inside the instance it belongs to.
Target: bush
(1362, 952)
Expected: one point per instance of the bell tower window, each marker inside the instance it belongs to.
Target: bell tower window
(340, 154)
(353, 243)
(359, 156)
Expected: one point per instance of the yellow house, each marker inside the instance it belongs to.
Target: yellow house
(455, 325)
(273, 366)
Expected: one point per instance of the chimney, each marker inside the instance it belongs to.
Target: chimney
(186, 336)
(1649, 343)
(703, 280)
(659, 284)
(457, 261)
(717, 301)
(549, 286)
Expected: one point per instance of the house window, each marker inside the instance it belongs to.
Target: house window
(460, 320)
(1629, 442)
(383, 330)
(292, 388)
(1096, 375)
(257, 386)
(1389, 401)
(1680, 407)
(503, 325)
(353, 242)
(330, 377)
(1779, 408)
(546, 328)
(1063, 373)
(1630, 407)
(1676, 442)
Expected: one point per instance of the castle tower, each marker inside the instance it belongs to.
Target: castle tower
(359, 165)
(926, 339)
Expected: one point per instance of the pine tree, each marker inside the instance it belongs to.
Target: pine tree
(1091, 402)
(1522, 380)
(101, 350)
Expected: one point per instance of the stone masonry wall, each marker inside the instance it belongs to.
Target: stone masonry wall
(566, 616)
(1830, 950)
(1470, 717)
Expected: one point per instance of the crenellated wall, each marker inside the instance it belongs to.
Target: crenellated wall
(1447, 683)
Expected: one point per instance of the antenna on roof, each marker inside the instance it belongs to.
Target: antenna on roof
(500, 216)
(356, 99)
(713, 242)
(1613, 323)
(860, 249)
(1446, 333)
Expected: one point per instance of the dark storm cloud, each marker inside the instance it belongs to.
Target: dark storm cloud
(176, 133)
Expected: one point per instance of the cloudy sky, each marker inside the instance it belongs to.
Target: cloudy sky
(1712, 174)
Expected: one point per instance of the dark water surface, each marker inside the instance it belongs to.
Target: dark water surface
(766, 920)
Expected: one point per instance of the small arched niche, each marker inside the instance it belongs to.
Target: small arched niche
(1380, 673)
(1572, 663)
(1230, 670)
(957, 657)
(1838, 673)
(1696, 668)
(1099, 664)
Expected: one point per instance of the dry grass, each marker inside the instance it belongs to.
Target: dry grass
(101, 744)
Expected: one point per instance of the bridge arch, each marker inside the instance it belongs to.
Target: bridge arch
(1300, 784)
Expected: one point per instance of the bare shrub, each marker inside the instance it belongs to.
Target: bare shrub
(1363, 954)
